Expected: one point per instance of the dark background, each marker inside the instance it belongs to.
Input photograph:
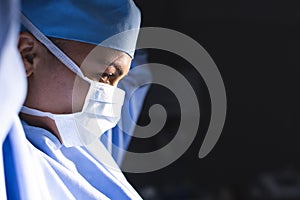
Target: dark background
(255, 44)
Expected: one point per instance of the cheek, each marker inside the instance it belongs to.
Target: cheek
(79, 92)
(62, 89)
(63, 78)
(58, 82)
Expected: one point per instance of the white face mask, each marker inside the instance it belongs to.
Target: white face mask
(101, 110)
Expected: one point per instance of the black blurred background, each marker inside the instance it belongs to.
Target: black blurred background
(255, 45)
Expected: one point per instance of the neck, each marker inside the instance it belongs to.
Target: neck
(42, 122)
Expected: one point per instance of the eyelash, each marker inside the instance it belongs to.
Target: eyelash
(105, 74)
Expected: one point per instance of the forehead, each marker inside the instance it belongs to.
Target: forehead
(89, 56)
(82, 50)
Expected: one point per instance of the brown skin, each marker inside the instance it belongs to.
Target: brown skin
(52, 87)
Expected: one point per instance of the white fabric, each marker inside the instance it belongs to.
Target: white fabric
(77, 172)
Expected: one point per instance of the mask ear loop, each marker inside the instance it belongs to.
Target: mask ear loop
(31, 111)
(51, 46)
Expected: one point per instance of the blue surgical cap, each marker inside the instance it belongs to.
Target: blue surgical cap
(92, 21)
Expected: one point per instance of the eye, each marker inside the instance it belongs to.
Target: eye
(106, 77)
(104, 74)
